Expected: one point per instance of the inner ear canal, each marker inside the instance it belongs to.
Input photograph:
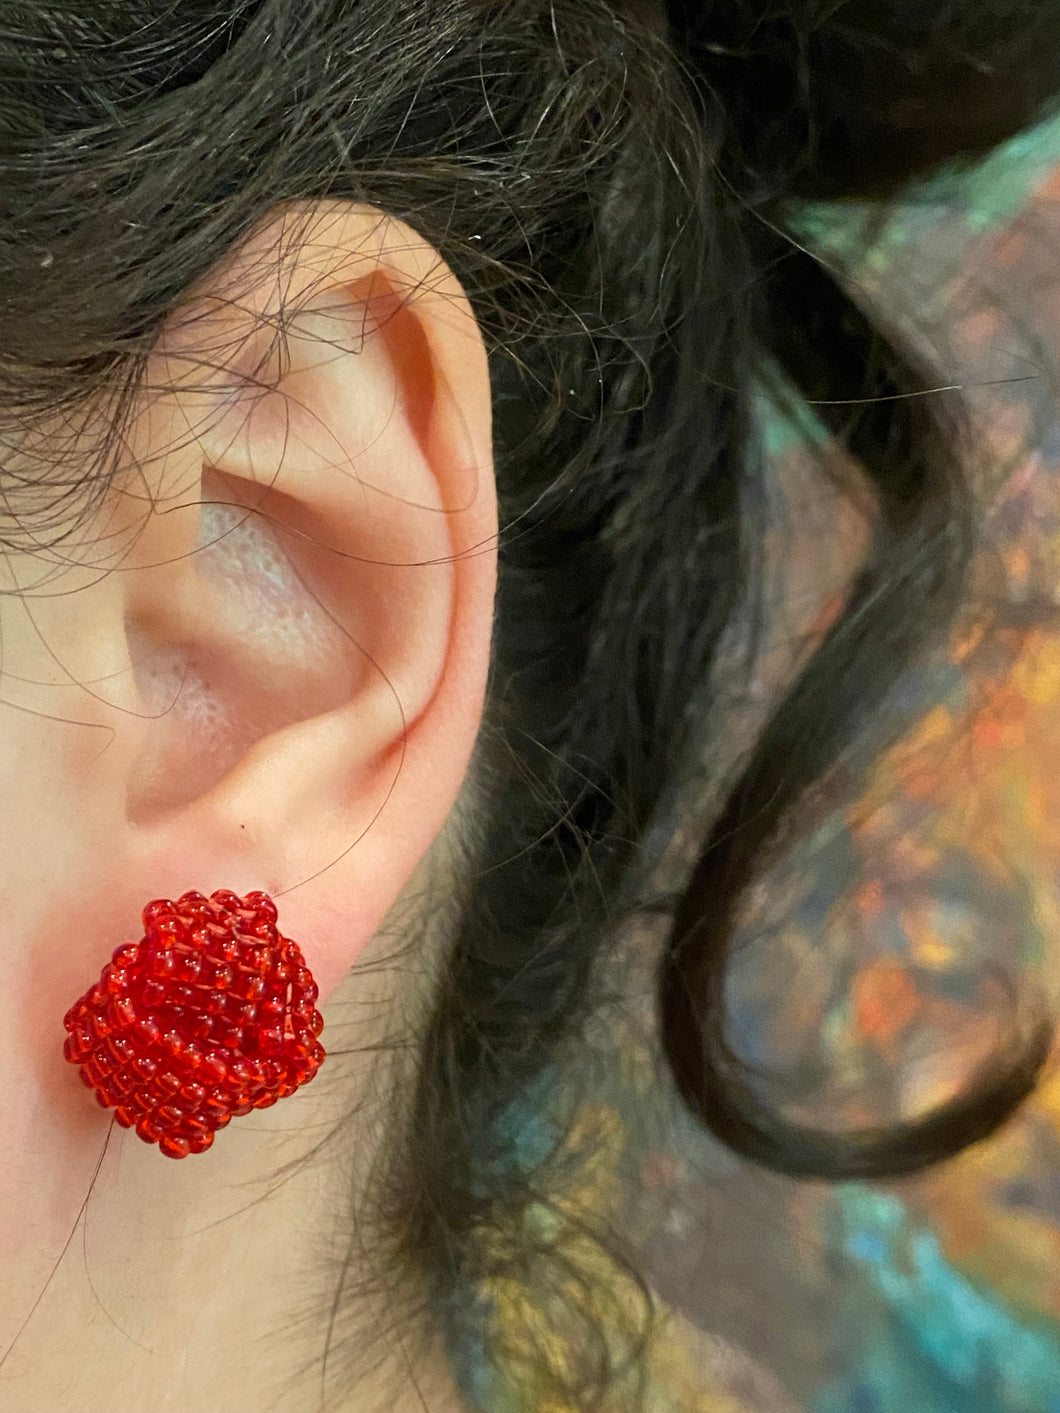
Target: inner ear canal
(227, 646)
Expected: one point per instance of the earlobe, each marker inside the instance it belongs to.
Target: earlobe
(317, 578)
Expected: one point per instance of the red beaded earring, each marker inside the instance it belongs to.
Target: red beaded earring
(208, 1016)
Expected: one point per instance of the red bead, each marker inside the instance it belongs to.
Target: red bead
(208, 1016)
(164, 964)
(253, 987)
(121, 1048)
(262, 905)
(214, 1066)
(117, 979)
(161, 907)
(171, 1042)
(220, 945)
(189, 966)
(239, 1072)
(76, 1049)
(270, 1040)
(121, 1012)
(216, 1102)
(146, 1033)
(223, 976)
(174, 1147)
(152, 993)
(213, 1006)
(166, 929)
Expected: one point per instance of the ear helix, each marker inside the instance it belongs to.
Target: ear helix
(209, 1015)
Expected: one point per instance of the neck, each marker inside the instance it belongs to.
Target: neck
(208, 1282)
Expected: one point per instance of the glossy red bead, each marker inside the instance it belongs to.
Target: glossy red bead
(208, 1016)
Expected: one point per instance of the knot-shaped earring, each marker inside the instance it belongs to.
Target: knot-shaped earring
(209, 1015)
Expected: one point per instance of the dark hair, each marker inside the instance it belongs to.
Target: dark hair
(614, 187)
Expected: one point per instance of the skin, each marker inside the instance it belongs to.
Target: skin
(172, 720)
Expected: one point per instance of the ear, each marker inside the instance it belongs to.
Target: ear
(308, 604)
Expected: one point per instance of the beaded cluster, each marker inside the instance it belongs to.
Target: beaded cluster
(208, 1016)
